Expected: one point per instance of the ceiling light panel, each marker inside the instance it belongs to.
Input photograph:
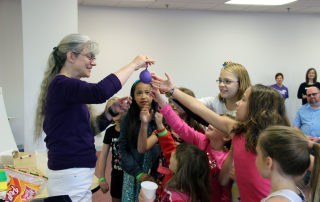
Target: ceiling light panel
(260, 2)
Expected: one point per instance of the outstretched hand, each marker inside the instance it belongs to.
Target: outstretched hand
(142, 62)
(157, 97)
(164, 86)
(122, 105)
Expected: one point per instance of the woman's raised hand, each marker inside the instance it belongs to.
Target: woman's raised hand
(142, 62)
(163, 85)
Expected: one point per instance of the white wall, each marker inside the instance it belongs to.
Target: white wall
(11, 66)
(192, 45)
(45, 23)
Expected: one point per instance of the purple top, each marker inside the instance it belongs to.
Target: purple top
(282, 90)
(69, 137)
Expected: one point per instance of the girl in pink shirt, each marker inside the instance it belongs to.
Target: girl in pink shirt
(260, 107)
(186, 182)
(212, 142)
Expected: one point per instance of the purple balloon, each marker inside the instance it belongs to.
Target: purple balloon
(145, 76)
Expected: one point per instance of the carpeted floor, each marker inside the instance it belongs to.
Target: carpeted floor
(98, 196)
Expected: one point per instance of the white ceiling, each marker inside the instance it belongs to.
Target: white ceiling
(300, 6)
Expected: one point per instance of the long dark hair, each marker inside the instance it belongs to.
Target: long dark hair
(266, 107)
(133, 117)
(192, 174)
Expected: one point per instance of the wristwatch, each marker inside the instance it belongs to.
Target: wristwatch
(111, 112)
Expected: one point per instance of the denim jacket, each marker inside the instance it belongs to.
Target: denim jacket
(131, 159)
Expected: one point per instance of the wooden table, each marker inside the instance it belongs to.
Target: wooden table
(31, 163)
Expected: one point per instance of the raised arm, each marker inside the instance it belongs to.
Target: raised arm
(139, 62)
(145, 143)
(99, 123)
(222, 123)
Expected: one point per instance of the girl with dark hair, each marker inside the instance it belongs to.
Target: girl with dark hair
(137, 167)
(284, 157)
(212, 142)
(260, 107)
(189, 166)
(153, 139)
(311, 80)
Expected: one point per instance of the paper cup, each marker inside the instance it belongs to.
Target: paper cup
(149, 188)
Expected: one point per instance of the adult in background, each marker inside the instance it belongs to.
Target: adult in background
(308, 119)
(311, 80)
(63, 112)
(308, 116)
(280, 87)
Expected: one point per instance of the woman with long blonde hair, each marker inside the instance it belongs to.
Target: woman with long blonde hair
(65, 118)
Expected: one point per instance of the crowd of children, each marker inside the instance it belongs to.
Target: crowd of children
(266, 159)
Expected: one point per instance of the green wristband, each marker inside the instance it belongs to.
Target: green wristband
(170, 93)
(163, 133)
(138, 176)
(101, 179)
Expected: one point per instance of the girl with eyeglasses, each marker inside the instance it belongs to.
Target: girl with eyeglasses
(260, 107)
(233, 82)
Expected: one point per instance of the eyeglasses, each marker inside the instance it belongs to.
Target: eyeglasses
(313, 94)
(90, 56)
(225, 82)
